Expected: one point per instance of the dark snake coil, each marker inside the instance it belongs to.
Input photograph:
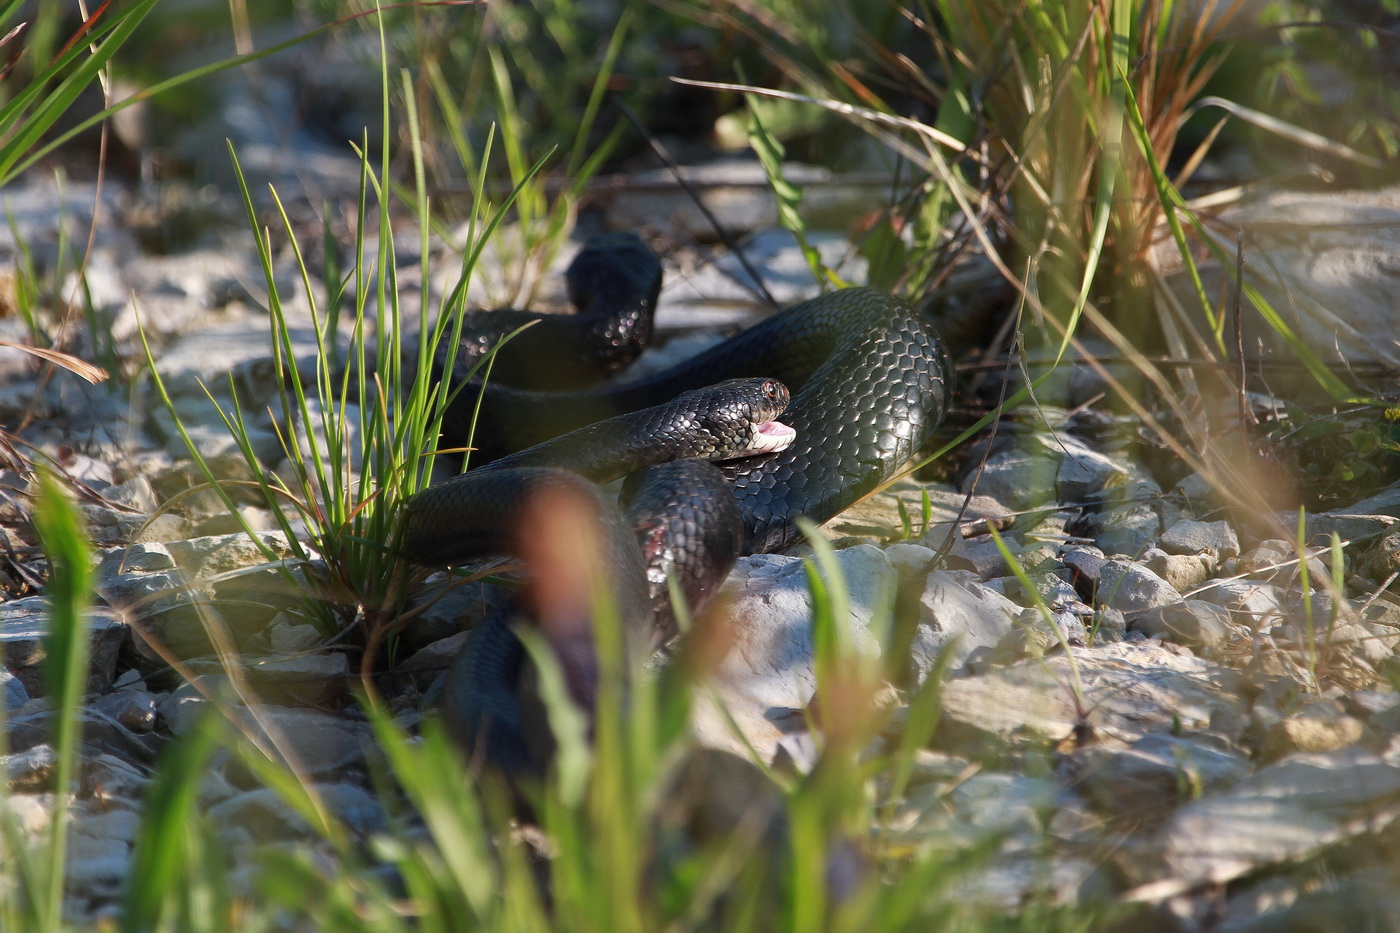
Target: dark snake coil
(869, 381)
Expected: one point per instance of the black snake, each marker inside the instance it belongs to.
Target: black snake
(869, 383)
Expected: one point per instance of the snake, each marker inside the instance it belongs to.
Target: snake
(864, 378)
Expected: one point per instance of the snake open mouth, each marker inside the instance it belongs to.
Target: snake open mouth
(768, 438)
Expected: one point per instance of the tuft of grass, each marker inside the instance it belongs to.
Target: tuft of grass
(1029, 100)
(358, 424)
(1064, 133)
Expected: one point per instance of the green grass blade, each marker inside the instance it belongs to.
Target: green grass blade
(9, 171)
(452, 812)
(573, 758)
(67, 646)
(788, 195)
(1110, 157)
(595, 100)
(1172, 203)
(32, 126)
(159, 870)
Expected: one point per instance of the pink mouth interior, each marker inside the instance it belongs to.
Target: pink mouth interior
(776, 429)
(768, 438)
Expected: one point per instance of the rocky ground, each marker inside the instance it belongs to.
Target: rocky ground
(1153, 699)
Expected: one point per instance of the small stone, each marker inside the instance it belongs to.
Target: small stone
(103, 524)
(145, 557)
(1350, 527)
(264, 815)
(81, 467)
(217, 554)
(30, 770)
(1368, 703)
(1281, 815)
(105, 821)
(215, 787)
(1131, 689)
(1383, 559)
(1086, 562)
(1049, 589)
(248, 517)
(316, 678)
(31, 814)
(1038, 558)
(1133, 588)
(1385, 502)
(1004, 803)
(1319, 567)
(767, 631)
(134, 709)
(285, 636)
(1361, 898)
(1183, 571)
(982, 556)
(443, 613)
(1107, 624)
(135, 493)
(909, 560)
(23, 625)
(1191, 537)
(1084, 473)
(1019, 480)
(983, 513)
(167, 609)
(432, 661)
(102, 733)
(958, 615)
(182, 707)
(108, 776)
(12, 690)
(96, 867)
(1191, 622)
(1126, 530)
(1159, 772)
(1323, 725)
(166, 526)
(934, 767)
(1249, 602)
(1262, 563)
(1375, 643)
(1196, 492)
(323, 744)
(1387, 720)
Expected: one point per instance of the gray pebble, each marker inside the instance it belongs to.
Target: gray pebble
(1133, 588)
(1192, 537)
(1191, 622)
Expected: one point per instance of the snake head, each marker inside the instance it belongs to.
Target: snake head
(739, 417)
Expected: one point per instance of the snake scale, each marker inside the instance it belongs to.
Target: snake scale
(868, 378)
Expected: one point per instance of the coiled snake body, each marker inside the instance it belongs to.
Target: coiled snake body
(868, 378)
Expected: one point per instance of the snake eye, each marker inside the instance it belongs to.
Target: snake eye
(770, 389)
